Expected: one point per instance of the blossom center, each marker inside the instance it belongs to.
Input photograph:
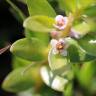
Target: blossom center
(60, 46)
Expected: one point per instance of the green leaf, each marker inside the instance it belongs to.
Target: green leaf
(68, 90)
(90, 11)
(68, 5)
(40, 7)
(44, 37)
(54, 81)
(60, 65)
(18, 81)
(86, 74)
(26, 93)
(86, 3)
(88, 43)
(16, 11)
(39, 23)
(93, 86)
(19, 62)
(76, 54)
(73, 54)
(43, 91)
(46, 91)
(29, 49)
(83, 28)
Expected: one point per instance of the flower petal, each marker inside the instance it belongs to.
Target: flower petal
(53, 43)
(59, 18)
(63, 52)
(55, 51)
(62, 40)
(61, 22)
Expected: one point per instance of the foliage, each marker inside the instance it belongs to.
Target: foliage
(58, 65)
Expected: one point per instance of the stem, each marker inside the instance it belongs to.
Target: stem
(67, 30)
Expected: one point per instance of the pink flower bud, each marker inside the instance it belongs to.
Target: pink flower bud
(54, 34)
(61, 22)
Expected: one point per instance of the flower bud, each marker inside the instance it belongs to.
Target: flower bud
(55, 34)
(61, 22)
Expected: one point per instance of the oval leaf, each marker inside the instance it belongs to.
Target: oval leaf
(60, 65)
(86, 3)
(86, 74)
(43, 37)
(54, 81)
(82, 28)
(76, 54)
(19, 62)
(68, 5)
(40, 7)
(88, 43)
(16, 81)
(39, 23)
(90, 11)
(29, 49)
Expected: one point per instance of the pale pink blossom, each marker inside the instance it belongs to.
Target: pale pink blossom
(59, 46)
(61, 22)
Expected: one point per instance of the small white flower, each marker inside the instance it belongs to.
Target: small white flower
(61, 22)
(59, 46)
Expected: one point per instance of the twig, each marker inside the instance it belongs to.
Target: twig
(4, 49)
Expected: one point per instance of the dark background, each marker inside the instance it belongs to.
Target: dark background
(10, 31)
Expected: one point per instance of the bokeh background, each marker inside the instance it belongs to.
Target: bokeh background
(10, 30)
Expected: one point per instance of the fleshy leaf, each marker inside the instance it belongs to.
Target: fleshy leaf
(29, 49)
(43, 91)
(86, 74)
(54, 81)
(88, 43)
(90, 11)
(44, 37)
(40, 7)
(93, 86)
(69, 90)
(86, 3)
(83, 28)
(68, 5)
(19, 62)
(75, 6)
(16, 81)
(60, 65)
(76, 54)
(39, 23)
